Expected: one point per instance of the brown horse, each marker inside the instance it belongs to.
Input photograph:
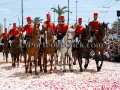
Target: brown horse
(15, 51)
(83, 48)
(5, 49)
(33, 47)
(98, 44)
(48, 47)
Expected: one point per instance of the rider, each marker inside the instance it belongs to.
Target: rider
(50, 24)
(12, 34)
(79, 30)
(29, 30)
(3, 35)
(94, 25)
(61, 29)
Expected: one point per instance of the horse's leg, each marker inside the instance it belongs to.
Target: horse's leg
(101, 52)
(86, 60)
(96, 60)
(3, 55)
(6, 56)
(39, 61)
(80, 61)
(51, 62)
(45, 62)
(55, 59)
(35, 58)
(71, 61)
(27, 64)
(17, 60)
(30, 71)
(25, 57)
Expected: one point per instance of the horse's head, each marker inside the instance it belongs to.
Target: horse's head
(46, 30)
(86, 33)
(70, 34)
(36, 31)
(103, 28)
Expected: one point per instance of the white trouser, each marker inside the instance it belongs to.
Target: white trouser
(91, 39)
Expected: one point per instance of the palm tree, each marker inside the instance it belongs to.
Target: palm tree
(37, 20)
(60, 11)
(116, 23)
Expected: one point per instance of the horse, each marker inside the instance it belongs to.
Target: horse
(98, 43)
(48, 47)
(5, 48)
(15, 51)
(83, 47)
(66, 49)
(33, 47)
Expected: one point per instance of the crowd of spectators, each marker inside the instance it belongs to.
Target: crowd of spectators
(111, 48)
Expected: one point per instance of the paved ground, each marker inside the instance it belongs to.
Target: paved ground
(16, 78)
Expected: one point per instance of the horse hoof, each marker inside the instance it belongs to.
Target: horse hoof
(45, 71)
(85, 66)
(51, 71)
(71, 70)
(26, 71)
(64, 70)
(98, 69)
(30, 71)
(55, 68)
(41, 70)
(81, 70)
(74, 63)
(36, 73)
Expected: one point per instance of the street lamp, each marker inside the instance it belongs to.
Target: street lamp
(76, 12)
(68, 12)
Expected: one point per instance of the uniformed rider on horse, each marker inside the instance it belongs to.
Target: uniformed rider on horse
(49, 24)
(29, 30)
(78, 32)
(3, 35)
(12, 34)
(60, 30)
(94, 25)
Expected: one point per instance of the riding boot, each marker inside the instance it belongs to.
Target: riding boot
(41, 49)
(9, 46)
(0, 48)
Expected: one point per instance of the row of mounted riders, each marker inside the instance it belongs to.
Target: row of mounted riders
(33, 43)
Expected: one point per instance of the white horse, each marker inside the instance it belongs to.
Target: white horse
(66, 47)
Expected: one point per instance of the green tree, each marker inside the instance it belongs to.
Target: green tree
(37, 20)
(60, 11)
(116, 23)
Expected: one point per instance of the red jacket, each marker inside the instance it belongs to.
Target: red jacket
(61, 28)
(4, 35)
(13, 32)
(94, 25)
(28, 29)
(79, 30)
(50, 24)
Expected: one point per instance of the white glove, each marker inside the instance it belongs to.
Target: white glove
(10, 41)
(42, 36)
(55, 37)
(24, 41)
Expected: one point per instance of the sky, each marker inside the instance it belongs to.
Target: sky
(11, 10)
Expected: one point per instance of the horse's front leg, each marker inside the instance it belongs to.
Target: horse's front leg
(86, 60)
(64, 63)
(30, 71)
(71, 61)
(17, 60)
(45, 63)
(80, 61)
(6, 56)
(101, 60)
(39, 62)
(97, 61)
(55, 59)
(35, 58)
(51, 62)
